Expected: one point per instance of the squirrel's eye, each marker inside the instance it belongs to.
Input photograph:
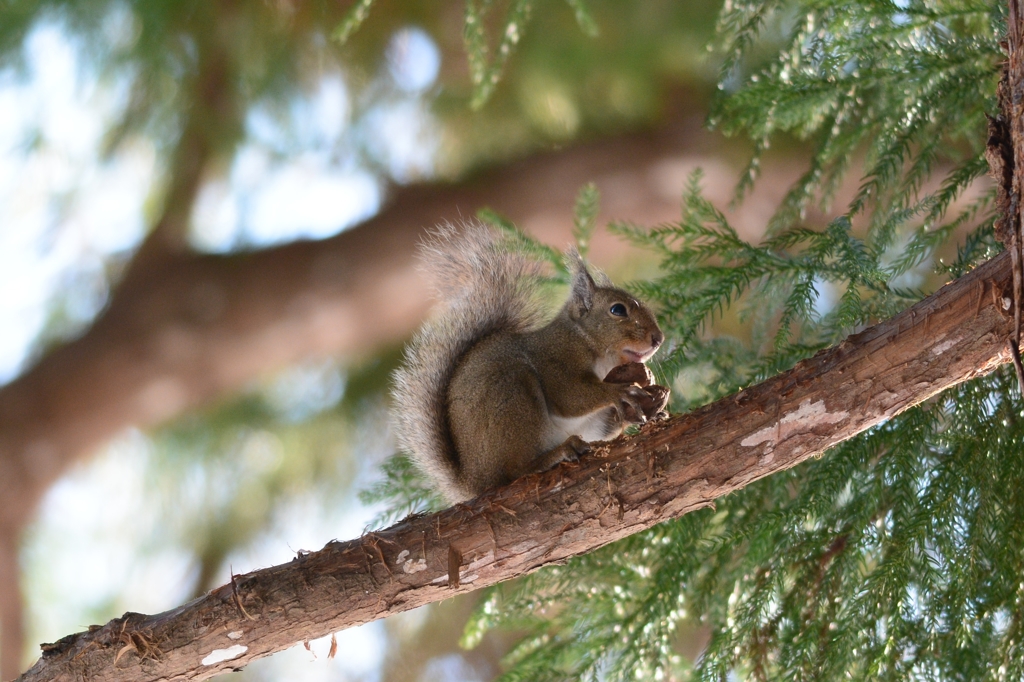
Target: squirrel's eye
(618, 310)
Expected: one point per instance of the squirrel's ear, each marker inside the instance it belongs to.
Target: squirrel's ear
(581, 296)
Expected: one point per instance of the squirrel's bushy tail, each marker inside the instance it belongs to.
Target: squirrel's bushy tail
(483, 287)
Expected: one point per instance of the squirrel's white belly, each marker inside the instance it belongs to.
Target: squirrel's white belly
(589, 427)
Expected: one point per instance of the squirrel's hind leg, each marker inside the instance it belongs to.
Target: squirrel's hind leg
(571, 450)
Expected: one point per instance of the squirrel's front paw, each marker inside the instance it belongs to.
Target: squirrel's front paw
(631, 404)
(658, 401)
(648, 401)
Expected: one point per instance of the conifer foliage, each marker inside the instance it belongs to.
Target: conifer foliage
(898, 554)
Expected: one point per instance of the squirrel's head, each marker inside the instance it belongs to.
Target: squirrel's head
(621, 328)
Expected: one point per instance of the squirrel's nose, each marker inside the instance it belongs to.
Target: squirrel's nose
(656, 339)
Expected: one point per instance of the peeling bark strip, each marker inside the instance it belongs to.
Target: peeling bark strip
(1004, 151)
(627, 486)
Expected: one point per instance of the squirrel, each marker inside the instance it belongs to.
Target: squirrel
(487, 393)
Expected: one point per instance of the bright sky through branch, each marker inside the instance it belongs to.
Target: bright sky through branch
(65, 212)
(62, 210)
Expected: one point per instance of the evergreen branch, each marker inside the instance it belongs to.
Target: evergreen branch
(353, 20)
(485, 73)
(516, 237)
(852, 75)
(585, 216)
(402, 490)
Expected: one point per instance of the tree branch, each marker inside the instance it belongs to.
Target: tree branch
(668, 469)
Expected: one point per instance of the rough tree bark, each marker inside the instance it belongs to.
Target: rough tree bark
(668, 469)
